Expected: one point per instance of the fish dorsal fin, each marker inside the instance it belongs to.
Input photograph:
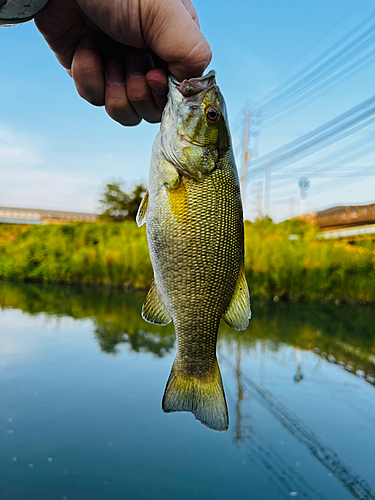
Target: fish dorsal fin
(153, 309)
(238, 313)
(141, 214)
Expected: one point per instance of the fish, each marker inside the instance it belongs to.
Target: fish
(195, 231)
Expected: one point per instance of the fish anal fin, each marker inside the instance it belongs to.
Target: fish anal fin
(238, 313)
(201, 395)
(153, 309)
(141, 214)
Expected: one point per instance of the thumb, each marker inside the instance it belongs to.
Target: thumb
(171, 32)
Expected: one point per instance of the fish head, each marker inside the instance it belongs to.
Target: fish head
(194, 132)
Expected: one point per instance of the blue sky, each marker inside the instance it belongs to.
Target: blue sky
(57, 151)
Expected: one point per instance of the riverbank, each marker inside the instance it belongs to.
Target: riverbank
(282, 260)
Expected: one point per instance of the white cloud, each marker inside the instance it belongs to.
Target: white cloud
(33, 175)
(29, 179)
(42, 189)
(17, 149)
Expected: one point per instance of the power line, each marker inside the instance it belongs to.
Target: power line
(324, 187)
(310, 95)
(342, 126)
(323, 35)
(338, 63)
(354, 484)
(360, 44)
(326, 168)
(305, 73)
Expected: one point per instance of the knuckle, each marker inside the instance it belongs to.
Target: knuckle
(83, 68)
(138, 96)
(122, 113)
(200, 56)
(88, 81)
(89, 95)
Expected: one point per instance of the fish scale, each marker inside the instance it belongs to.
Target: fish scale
(194, 225)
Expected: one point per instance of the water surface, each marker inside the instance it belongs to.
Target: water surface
(81, 382)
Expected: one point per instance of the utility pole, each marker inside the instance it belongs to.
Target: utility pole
(238, 429)
(260, 201)
(253, 119)
(267, 190)
(291, 208)
(245, 155)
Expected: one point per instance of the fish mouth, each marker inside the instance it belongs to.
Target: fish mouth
(194, 86)
(185, 139)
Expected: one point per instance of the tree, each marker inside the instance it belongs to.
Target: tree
(118, 205)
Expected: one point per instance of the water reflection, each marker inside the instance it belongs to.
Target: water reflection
(285, 477)
(338, 334)
(141, 341)
(343, 335)
(332, 334)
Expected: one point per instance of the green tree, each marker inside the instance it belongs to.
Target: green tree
(117, 205)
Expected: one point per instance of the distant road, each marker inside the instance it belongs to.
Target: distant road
(12, 215)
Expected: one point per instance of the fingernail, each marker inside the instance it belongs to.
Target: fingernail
(136, 64)
(158, 88)
(115, 73)
(87, 42)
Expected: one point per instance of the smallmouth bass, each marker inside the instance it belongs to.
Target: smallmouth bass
(194, 225)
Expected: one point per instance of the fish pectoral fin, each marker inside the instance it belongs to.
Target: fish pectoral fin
(238, 314)
(203, 396)
(153, 309)
(141, 214)
(170, 174)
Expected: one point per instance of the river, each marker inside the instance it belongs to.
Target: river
(81, 382)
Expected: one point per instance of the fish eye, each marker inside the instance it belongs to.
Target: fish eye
(213, 114)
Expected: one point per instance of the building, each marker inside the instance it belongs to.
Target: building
(345, 221)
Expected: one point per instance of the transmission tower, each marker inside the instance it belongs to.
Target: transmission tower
(304, 185)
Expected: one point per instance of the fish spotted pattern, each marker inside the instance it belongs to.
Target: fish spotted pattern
(194, 225)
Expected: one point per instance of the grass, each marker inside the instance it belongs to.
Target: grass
(117, 254)
(102, 253)
(307, 267)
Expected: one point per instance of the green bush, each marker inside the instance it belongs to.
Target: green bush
(102, 253)
(284, 260)
(305, 266)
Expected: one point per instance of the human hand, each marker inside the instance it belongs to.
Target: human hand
(118, 52)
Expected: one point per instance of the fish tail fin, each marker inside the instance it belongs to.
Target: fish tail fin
(202, 395)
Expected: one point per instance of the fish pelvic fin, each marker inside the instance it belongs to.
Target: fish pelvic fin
(238, 314)
(201, 395)
(153, 309)
(141, 214)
